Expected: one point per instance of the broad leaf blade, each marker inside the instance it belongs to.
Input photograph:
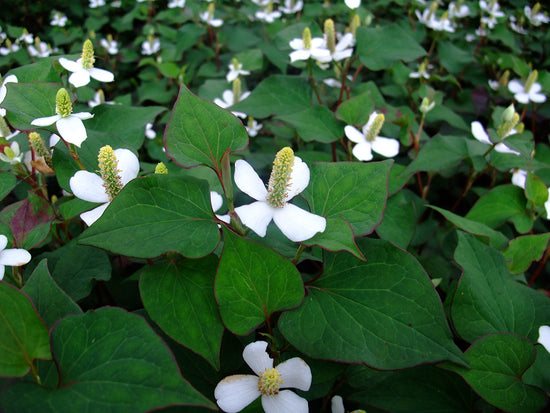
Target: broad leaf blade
(489, 300)
(174, 291)
(498, 362)
(24, 335)
(522, 251)
(316, 124)
(252, 283)
(199, 132)
(383, 312)
(109, 361)
(173, 213)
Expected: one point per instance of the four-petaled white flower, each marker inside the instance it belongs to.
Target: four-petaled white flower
(68, 124)
(93, 188)
(479, 133)
(236, 392)
(535, 18)
(517, 87)
(235, 70)
(58, 19)
(12, 154)
(14, 257)
(292, 6)
(96, 3)
(176, 3)
(110, 45)
(308, 47)
(544, 337)
(368, 140)
(268, 15)
(272, 203)
(4, 91)
(150, 46)
(81, 76)
(343, 48)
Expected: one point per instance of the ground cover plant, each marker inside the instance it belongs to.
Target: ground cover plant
(288, 206)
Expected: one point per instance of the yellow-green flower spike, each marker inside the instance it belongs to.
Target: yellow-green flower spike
(9, 152)
(507, 126)
(161, 169)
(63, 104)
(330, 35)
(375, 128)
(87, 55)
(235, 62)
(520, 127)
(354, 23)
(39, 147)
(236, 90)
(306, 38)
(535, 9)
(530, 80)
(503, 80)
(270, 381)
(211, 9)
(108, 169)
(280, 175)
(433, 9)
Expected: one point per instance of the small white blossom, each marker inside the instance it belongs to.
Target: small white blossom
(11, 48)
(110, 45)
(228, 99)
(209, 19)
(12, 154)
(365, 143)
(25, 37)
(536, 19)
(58, 19)
(151, 46)
(479, 133)
(267, 15)
(91, 187)
(235, 72)
(176, 3)
(316, 50)
(236, 392)
(40, 49)
(291, 6)
(149, 131)
(253, 127)
(99, 99)
(14, 257)
(517, 87)
(353, 4)
(458, 11)
(81, 76)
(96, 3)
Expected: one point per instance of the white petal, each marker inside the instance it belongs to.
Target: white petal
(515, 86)
(502, 148)
(354, 135)
(248, 181)
(72, 130)
(337, 405)
(385, 146)
(88, 186)
(537, 97)
(519, 177)
(535, 88)
(544, 337)
(216, 201)
(225, 218)
(256, 216)
(285, 402)
(296, 44)
(14, 257)
(295, 373)
(46, 121)
(298, 224)
(2, 270)
(236, 392)
(300, 55)
(317, 42)
(522, 98)
(70, 65)
(3, 242)
(93, 215)
(101, 75)
(227, 96)
(343, 54)
(363, 151)
(128, 164)
(299, 178)
(80, 78)
(83, 115)
(256, 357)
(479, 133)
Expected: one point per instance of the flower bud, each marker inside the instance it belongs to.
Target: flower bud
(531, 80)
(161, 169)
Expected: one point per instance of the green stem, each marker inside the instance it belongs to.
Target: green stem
(312, 81)
(72, 150)
(301, 249)
(34, 373)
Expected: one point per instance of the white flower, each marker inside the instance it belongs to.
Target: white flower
(40, 49)
(149, 131)
(458, 10)
(110, 45)
(236, 392)
(91, 187)
(235, 71)
(491, 7)
(292, 6)
(368, 140)
(25, 37)
(337, 406)
(68, 124)
(96, 3)
(13, 257)
(99, 99)
(295, 223)
(253, 127)
(353, 4)
(150, 46)
(59, 19)
(12, 154)
(479, 133)
(316, 50)
(209, 19)
(228, 99)
(4, 91)
(176, 3)
(12, 47)
(519, 176)
(535, 19)
(216, 201)
(517, 87)
(422, 71)
(343, 49)
(544, 337)
(81, 76)
(267, 15)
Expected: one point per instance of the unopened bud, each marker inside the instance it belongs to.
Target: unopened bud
(508, 113)
(426, 105)
(504, 78)
(161, 169)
